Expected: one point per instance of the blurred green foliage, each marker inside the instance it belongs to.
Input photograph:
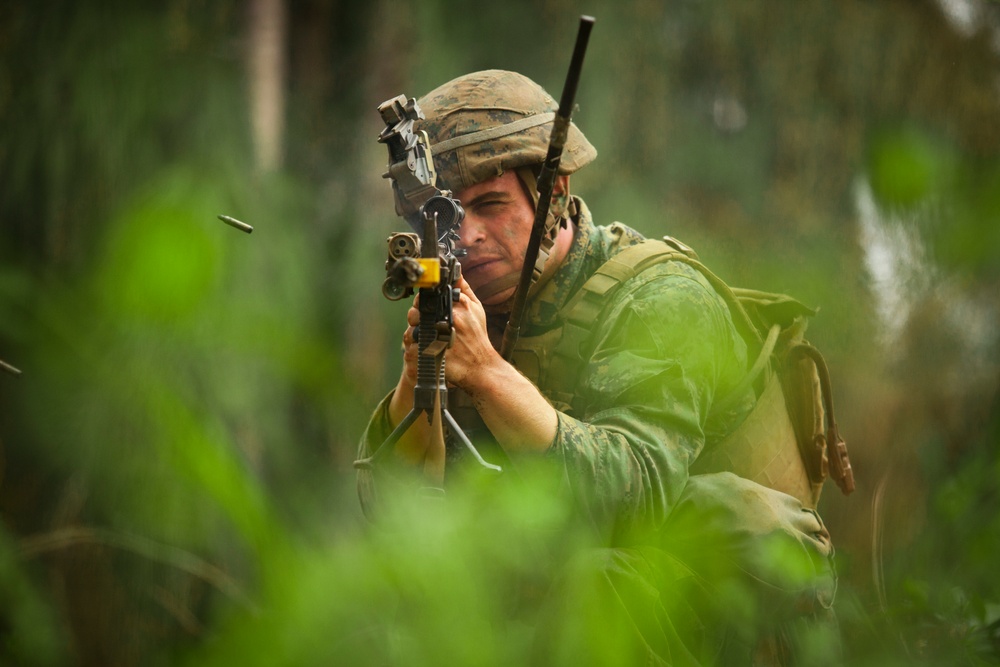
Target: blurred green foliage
(176, 483)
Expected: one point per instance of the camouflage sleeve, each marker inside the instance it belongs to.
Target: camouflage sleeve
(665, 348)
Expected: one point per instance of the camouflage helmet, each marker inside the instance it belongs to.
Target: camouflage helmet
(485, 123)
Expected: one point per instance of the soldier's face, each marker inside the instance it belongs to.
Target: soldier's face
(497, 225)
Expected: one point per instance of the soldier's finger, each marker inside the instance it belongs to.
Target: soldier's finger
(466, 290)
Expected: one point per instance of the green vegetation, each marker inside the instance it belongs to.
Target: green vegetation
(176, 457)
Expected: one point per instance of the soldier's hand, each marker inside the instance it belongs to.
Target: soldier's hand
(472, 351)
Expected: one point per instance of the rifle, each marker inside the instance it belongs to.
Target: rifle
(427, 260)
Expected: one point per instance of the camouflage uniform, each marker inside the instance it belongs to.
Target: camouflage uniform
(666, 347)
(632, 418)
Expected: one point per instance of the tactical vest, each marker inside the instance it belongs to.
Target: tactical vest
(788, 442)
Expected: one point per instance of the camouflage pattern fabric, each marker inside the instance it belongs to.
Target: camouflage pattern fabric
(517, 111)
(664, 349)
(661, 351)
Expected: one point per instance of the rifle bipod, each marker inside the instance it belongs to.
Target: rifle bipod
(430, 395)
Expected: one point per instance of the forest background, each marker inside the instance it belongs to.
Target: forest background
(176, 481)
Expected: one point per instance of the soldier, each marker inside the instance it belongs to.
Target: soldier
(626, 373)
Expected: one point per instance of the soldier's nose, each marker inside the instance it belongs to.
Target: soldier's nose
(470, 233)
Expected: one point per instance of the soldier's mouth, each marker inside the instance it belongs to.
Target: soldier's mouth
(478, 265)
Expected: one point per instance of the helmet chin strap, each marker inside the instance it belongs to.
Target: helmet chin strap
(497, 285)
(526, 175)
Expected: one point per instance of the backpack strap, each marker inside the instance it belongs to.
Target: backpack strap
(585, 308)
(828, 447)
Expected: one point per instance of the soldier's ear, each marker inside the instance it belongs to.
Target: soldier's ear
(560, 188)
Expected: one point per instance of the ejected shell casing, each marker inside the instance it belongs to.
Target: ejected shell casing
(233, 222)
(8, 368)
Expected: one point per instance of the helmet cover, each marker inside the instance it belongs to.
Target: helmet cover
(483, 124)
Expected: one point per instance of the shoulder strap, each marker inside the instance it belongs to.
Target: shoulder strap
(585, 306)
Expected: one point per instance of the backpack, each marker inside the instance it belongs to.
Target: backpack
(789, 441)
